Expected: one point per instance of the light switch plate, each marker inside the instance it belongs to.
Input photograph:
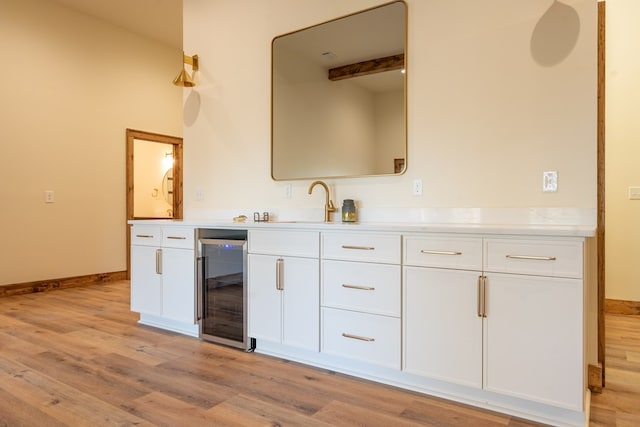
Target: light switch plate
(634, 193)
(549, 181)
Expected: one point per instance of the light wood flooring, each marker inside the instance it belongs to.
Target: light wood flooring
(619, 403)
(77, 357)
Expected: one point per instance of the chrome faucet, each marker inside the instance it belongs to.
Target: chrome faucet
(328, 204)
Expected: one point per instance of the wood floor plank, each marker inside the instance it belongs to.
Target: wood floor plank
(242, 410)
(64, 403)
(18, 413)
(188, 389)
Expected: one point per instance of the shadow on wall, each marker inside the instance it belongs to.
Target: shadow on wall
(555, 35)
(191, 108)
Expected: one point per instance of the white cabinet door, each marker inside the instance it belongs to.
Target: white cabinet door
(264, 299)
(178, 285)
(146, 282)
(534, 339)
(289, 315)
(442, 329)
(301, 303)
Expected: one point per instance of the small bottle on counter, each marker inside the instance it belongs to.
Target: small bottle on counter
(349, 211)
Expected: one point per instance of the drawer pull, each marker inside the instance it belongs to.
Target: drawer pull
(532, 257)
(361, 248)
(362, 288)
(358, 337)
(176, 237)
(430, 252)
(145, 236)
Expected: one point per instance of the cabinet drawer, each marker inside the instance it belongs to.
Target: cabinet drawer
(554, 258)
(372, 288)
(291, 243)
(146, 235)
(383, 248)
(462, 253)
(178, 237)
(366, 337)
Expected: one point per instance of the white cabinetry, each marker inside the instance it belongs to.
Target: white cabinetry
(442, 324)
(361, 297)
(534, 320)
(501, 314)
(283, 276)
(163, 276)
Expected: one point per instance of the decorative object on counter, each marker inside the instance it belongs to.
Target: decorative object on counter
(257, 217)
(184, 79)
(240, 218)
(349, 211)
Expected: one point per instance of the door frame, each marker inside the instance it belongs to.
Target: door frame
(600, 228)
(176, 142)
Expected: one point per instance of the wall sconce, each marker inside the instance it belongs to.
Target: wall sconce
(184, 79)
(167, 161)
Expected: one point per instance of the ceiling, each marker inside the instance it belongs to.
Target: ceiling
(157, 19)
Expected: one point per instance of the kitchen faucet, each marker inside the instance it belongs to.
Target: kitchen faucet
(328, 204)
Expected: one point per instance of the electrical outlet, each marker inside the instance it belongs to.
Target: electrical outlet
(417, 187)
(199, 194)
(49, 196)
(287, 191)
(549, 181)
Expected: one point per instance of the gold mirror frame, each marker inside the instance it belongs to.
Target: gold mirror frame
(304, 139)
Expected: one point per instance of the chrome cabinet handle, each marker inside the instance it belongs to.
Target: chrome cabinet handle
(279, 273)
(145, 236)
(431, 252)
(158, 261)
(532, 257)
(362, 288)
(176, 237)
(360, 248)
(357, 337)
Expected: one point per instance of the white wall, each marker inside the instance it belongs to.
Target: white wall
(70, 87)
(485, 119)
(622, 149)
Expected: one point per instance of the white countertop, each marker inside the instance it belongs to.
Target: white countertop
(565, 230)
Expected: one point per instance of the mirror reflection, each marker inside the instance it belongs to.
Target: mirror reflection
(338, 97)
(153, 179)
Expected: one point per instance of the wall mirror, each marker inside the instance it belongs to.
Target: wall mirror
(338, 105)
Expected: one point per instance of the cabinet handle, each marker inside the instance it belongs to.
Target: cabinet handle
(482, 296)
(357, 337)
(176, 237)
(362, 288)
(532, 257)
(158, 261)
(479, 296)
(360, 248)
(145, 236)
(431, 252)
(279, 273)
